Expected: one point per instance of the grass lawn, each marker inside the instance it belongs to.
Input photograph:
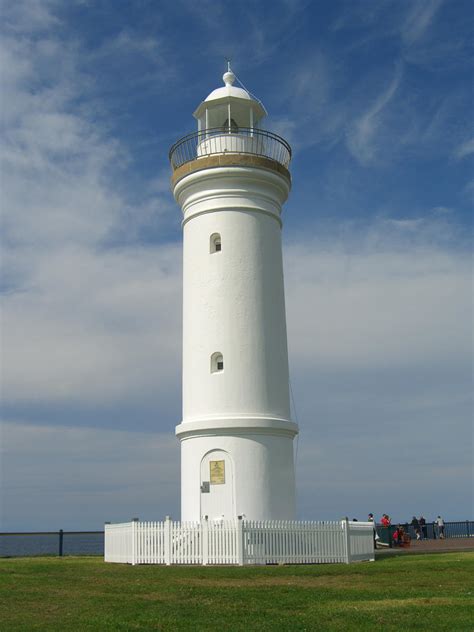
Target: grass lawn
(416, 592)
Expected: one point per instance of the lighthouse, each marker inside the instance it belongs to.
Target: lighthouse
(231, 178)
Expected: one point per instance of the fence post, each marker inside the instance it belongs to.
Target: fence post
(106, 543)
(345, 523)
(61, 534)
(467, 529)
(205, 541)
(134, 540)
(240, 541)
(167, 540)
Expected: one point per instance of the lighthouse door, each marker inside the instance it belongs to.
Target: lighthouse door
(217, 486)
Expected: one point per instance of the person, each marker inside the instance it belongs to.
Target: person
(440, 524)
(416, 527)
(370, 518)
(385, 520)
(401, 535)
(424, 528)
(396, 536)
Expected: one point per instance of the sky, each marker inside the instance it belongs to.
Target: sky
(376, 100)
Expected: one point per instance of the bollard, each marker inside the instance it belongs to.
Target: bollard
(61, 534)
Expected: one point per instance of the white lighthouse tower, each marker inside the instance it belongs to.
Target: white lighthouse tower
(231, 178)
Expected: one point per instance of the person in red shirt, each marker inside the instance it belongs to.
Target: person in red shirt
(396, 537)
(385, 521)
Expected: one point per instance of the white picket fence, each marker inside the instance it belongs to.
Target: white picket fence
(239, 542)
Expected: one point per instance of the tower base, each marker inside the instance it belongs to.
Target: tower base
(237, 467)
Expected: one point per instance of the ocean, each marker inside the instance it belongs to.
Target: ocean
(74, 543)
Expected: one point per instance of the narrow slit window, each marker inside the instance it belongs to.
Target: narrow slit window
(216, 244)
(217, 362)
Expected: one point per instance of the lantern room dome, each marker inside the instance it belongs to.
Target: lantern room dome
(228, 91)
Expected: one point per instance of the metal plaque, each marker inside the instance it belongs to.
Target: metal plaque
(205, 487)
(217, 472)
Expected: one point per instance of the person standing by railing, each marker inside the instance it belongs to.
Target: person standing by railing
(370, 518)
(385, 520)
(416, 527)
(423, 527)
(440, 527)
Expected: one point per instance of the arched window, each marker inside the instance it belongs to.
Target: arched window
(217, 362)
(215, 243)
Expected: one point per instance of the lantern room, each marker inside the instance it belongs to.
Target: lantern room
(229, 109)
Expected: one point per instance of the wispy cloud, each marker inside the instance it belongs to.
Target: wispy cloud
(465, 149)
(409, 22)
(308, 96)
(363, 136)
(419, 19)
(28, 16)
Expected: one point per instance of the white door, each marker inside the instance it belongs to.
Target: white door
(217, 486)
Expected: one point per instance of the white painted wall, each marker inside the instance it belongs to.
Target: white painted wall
(234, 304)
(261, 481)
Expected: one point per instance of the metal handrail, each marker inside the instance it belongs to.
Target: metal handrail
(221, 140)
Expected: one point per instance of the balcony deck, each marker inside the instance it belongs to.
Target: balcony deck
(215, 148)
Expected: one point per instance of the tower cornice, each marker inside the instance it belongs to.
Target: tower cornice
(237, 426)
(232, 187)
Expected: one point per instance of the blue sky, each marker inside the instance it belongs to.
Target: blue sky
(376, 100)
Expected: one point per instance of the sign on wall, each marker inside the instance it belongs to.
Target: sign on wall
(217, 472)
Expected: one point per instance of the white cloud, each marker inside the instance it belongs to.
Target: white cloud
(27, 16)
(390, 295)
(378, 307)
(94, 328)
(77, 478)
(465, 149)
(88, 308)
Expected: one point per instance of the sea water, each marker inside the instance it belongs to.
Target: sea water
(19, 545)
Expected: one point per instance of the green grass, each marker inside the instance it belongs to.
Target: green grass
(416, 592)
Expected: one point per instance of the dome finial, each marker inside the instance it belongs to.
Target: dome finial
(228, 77)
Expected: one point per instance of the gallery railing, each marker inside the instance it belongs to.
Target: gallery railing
(218, 141)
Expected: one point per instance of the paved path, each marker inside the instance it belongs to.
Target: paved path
(432, 546)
